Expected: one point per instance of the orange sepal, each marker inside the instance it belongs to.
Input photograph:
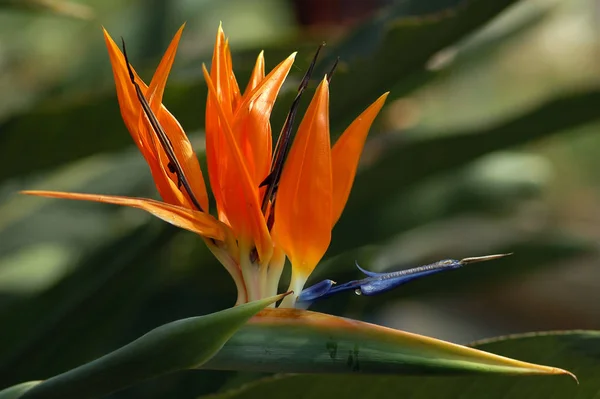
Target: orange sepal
(221, 76)
(346, 154)
(251, 125)
(239, 196)
(128, 101)
(143, 134)
(198, 222)
(181, 144)
(303, 205)
(258, 73)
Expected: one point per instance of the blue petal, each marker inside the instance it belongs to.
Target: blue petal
(375, 283)
(388, 281)
(316, 291)
(378, 283)
(366, 272)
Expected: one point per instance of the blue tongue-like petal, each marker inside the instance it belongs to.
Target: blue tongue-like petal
(378, 283)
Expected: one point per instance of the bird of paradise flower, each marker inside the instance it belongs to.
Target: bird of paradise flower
(272, 203)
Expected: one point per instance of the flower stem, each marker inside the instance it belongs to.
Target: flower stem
(232, 267)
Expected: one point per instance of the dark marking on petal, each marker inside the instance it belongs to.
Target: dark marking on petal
(253, 255)
(271, 218)
(284, 142)
(332, 70)
(174, 166)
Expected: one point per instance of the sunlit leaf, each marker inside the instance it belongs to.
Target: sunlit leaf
(576, 350)
(298, 341)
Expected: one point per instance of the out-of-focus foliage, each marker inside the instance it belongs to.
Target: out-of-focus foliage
(490, 146)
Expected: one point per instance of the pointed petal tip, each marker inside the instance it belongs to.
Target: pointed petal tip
(522, 368)
(378, 104)
(33, 193)
(566, 372)
(279, 297)
(547, 370)
(477, 259)
(106, 34)
(179, 31)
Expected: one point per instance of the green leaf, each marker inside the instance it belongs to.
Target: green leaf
(408, 38)
(182, 344)
(299, 341)
(58, 7)
(16, 391)
(401, 58)
(577, 350)
(88, 299)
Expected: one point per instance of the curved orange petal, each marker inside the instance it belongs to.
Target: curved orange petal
(214, 142)
(144, 135)
(251, 125)
(221, 74)
(258, 73)
(156, 89)
(303, 204)
(163, 180)
(238, 195)
(128, 101)
(194, 221)
(233, 84)
(136, 123)
(346, 154)
(181, 145)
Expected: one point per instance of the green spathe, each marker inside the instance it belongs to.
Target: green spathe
(299, 341)
(179, 345)
(577, 350)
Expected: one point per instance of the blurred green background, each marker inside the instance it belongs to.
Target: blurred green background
(489, 144)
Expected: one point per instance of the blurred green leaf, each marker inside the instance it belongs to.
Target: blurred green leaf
(88, 299)
(17, 390)
(179, 345)
(400, 58)
(577, 351)
(299, 341)
(531, 254)
(403, 165)
(408, 41)
(59, 7)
